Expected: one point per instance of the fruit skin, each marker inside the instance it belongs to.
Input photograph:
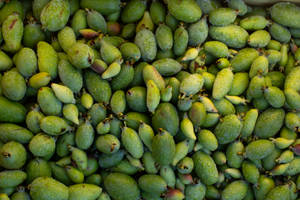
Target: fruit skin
(46, 188)
(259, 149)
(205, 168)
(284, 13)
(48, 102)
(47, 59)
(12, 178)
(198, 32)
(13, 85)
(84, 191)
(55, 15)
(121, 186)
(232, 35)
(13, 155)
(222, 84)
(152, 183)
(235, 190)
(178, 9)
(13, 132)
(11, 111)
(81, 55)
(222, 16)
(145, 40)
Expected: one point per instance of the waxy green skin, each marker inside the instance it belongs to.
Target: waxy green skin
(130, 51)
(259, 149)
(163, 148)
(86, 191)
(222, 16)
(118, 102)
(232, 35)
(280, 33)
(13, 85)
(229, 129)
(243, 60)
(84, 135)
(55, 15)
(17, 155)
(284, 13)
(121, 186)
(236, 190)
(164, 37)
(81, 55)
(239, 84)
(259, 66)
(198, 32)
(12, 178)
(132, 142)
(13, 132)
(124, 78)
(152, 183)
(11, 111)
(47, 59)
(216, 48)
(42, 145)
(96, 21)
(205, 168)
(37, 167)
(136, 98)
(12, 32)
(255, 22)
(234, 154)
(26, 62)
(54, 125)
(108, 144)
(191, 84)
(178, 10)
(181, 39)
(151, 73)
(10, 8)
(48, 102)
(146, 41)
(249, 122)
(66, 38)
(47, 188)
(6, 63)
(223, 83)
(259, 39)
(167, 66)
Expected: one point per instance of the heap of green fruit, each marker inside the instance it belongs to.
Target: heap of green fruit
(149, 100)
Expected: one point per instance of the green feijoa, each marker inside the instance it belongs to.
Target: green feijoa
(39, 80)
(269, 122)
(274, 45)
(124, 78)
(63, 93)
(181, 150)
(222, 83)
(26, 62)
(185, 166)
(291, 79)
(209, 79)
(55, 15)
(13, 155)
(197, 114)
(166, 117)
(21, 194)
(295, 32)
(10, 8)
(164, 37)
(224, 107)
(104, 196)
(37, 7)
(293, 167)
(79, 157)
(273, 56)
(239, 84)
(146, 42)
(279, 192)
(191, 84)
(280, 33)
(5, 192)
(152, 183)
(178, 10)
(292, 121)
(259, 149)
(84, 135)
(11, 111)
(277, 78)
(181, 39)
(283, 13)
(70, 112)
(205, 168)
(12, 178)
(132, 142)
(79, 21)
(95, 179)
(136, 99)
(256, 86)
(266, 184)
(187, 128)
(235, 190)
(211, 120)
(48, 102)
(130, 51)
(232, 35)
(216, 48)
(274, 96)
(238, 5)
(243, 60)
(102, 6)
(118, 102)
(234, 154)
(74, 174)
(84, 191)
(13, 132)
(222, 16)
(138, 74)
(222, 63)
(255, 22)
(33, 118)
(167, 66)
(121, 186)
(109, 53)
(259, 66)
(54, 125)
(284, 55)
(66, 38)
(250, 172)
(96, 21)
(103, 127)
(166, 94)
(249, 122)
(259, 39)
(171, 21)
(149, 163)
(5, 61)
(269, 162)
(175, 84)
(46, 188)
(13, 85)
(145, 22)
(261, 103)
(157, 12)
(219, 157)
(163, 148)
(212, 192)
(184, 103)
(81, 55)
(285, 157)
(168, 175)
(97, 87)
(92, 166)
(42, 145)
(195, 191)
(136, 6)
(151, 73)
(70, 76)
(63, 142)
(208, 140)
(153, 96)
(133, 119)
(128, 31)
(111, 160)
(47, 59)
(198, 32)
(108, 144)
(12, 32)
(59, 173)
(37, 167)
